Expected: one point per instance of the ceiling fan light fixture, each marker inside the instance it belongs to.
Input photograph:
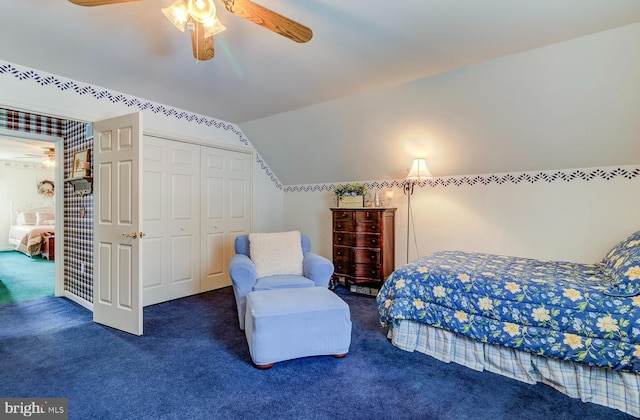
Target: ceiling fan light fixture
(178, 14)
(48, 162)
(212, 27)
(201, 10)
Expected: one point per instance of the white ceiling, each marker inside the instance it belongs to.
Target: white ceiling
(23, 150)
(358, 45)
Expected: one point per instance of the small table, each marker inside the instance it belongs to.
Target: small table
(48, 246)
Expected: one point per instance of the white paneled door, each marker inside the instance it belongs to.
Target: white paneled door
(184, 219)
(226, 211)
(117, 289)
(155, 253)
(171, 197)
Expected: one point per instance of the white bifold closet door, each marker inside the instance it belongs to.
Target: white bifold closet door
(225, 211)
(196, 201)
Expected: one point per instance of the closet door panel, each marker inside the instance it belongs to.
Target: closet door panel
(153, 273)
(184, 280)
(239, 204)
(155, 249)
(226, 176)
(214, 196)
(184, 219)
(238, 192)
(215, 250)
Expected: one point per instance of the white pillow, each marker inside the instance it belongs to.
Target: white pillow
(42, 217)
(276, 253)
(26, 218)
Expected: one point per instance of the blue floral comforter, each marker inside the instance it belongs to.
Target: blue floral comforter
(550, 308)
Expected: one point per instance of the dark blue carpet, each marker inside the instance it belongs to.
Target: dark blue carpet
(193, 363)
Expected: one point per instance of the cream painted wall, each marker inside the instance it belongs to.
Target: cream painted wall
(309, 213)
(268, 204)
(567, 105)
(542, 110)
(576, 220)
(572, 221)
(39, 92)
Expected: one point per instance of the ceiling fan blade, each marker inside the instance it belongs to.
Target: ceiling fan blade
(268, 19)
(202, 47)
(98, 2)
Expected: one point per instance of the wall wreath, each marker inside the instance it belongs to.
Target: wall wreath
(46, 188)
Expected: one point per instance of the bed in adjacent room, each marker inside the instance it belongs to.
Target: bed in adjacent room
(575, 327)
(30, 222)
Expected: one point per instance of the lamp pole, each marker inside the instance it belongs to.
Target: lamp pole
(418, 172)
(408, 190)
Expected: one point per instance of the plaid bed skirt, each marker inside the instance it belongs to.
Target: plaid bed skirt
(618, 390)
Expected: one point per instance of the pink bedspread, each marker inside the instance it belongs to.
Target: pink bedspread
(28, 238)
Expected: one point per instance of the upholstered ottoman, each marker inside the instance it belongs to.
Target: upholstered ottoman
(284, 324)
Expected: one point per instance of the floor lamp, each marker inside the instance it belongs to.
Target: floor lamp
(417, 173)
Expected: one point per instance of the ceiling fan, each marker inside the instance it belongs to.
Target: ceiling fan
(200, 17)
(48, 157)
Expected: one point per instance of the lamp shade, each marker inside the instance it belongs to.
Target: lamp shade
(177, 14)
(212, 27)
(201, 10)
(419, 171)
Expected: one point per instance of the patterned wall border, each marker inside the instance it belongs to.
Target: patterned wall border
(104, 94)
(21, 165)
(133, 102)
(26, 122)
(500, 179)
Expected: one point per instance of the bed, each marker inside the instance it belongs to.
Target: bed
(30, 222)
(575, 327)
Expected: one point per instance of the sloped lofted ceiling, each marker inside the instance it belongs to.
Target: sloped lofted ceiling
(257, 77)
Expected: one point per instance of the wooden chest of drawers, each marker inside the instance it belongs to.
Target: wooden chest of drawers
(363, 245)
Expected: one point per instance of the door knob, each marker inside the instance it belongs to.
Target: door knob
(133, 235)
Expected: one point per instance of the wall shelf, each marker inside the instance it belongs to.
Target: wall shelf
(81, 185)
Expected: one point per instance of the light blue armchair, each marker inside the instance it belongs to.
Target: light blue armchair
(317, 272)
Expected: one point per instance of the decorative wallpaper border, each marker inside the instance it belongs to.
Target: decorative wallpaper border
(483, 180)
(170, 112)
(20, 165)
(131, 102)
(26, 122)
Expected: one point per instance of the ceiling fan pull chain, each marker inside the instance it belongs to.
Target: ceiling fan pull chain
(197, 46)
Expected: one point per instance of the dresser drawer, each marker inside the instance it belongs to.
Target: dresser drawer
(342, 268)
(367, 216)
(342, 252)
(366, 256)
(367, 240)
(345, 225)
(367, 270)
(367, 227)
(342, 215)
(344, 239)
